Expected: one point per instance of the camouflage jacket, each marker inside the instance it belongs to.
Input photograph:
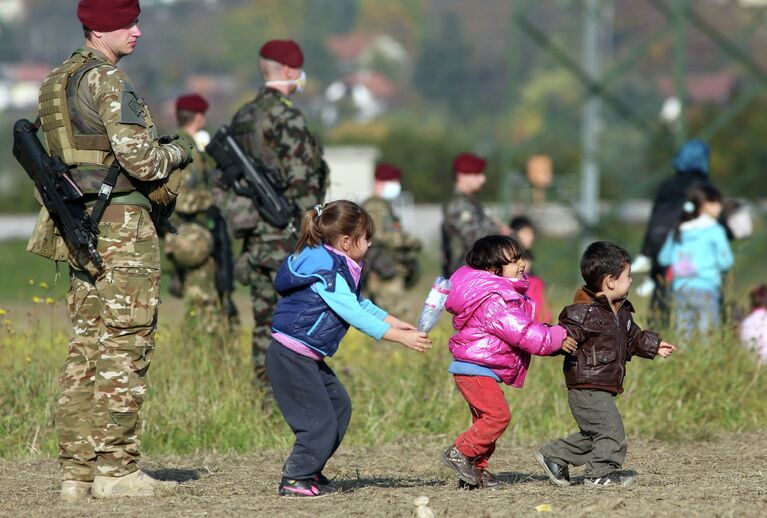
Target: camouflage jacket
(113, 108)
(464, 220)
(271, 128)
(388, 233)
(195, 195)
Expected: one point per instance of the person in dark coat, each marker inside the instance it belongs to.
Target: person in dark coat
(691, 166)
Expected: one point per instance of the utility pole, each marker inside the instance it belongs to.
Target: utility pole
(680, 89)
(590, 117)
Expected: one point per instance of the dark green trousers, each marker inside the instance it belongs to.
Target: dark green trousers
(600, 443)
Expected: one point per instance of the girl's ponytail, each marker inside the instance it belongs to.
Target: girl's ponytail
(310, 234)
(325, 224)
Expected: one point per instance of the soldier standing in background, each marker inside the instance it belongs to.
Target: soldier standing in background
(271, 128)
(191, 250)
(464, 220)
(391, 265)
(92, 118)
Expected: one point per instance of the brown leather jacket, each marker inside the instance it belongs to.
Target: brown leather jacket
(607, 338)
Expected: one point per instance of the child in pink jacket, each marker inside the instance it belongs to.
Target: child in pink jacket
(496, 334)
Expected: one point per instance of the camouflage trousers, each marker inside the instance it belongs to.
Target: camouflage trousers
(389, 295)
(205, 314)
(263, 298)
(103, 383)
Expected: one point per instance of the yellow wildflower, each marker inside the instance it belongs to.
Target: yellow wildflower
(3, 312)
(49, 300)
(29, 359)
(43, 285)
(36, 299)
(7, 321)
(31, 282)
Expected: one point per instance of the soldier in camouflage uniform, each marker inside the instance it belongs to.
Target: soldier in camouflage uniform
(191, 249)
(391, 264)
(464, 220)
(271, 128)
(92, 116)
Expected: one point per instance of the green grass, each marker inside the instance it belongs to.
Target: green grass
(201, 398)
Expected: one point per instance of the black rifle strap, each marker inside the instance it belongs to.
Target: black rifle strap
(105, 191)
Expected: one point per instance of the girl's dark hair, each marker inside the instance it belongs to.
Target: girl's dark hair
(325, 224)
(491, 253)
(602, 258)
(759, 297)
(697, 196)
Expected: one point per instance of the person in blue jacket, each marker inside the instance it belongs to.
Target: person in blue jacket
(698, 254)
(320, 299)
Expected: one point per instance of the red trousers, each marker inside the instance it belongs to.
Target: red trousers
(490, 416)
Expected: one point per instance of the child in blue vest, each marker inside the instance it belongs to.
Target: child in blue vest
(320, 299)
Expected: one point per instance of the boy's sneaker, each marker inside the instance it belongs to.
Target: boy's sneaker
(557, 473)
(462, 465)
(304, 488)
(611, 479)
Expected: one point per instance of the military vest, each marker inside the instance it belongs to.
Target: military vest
(73, 129)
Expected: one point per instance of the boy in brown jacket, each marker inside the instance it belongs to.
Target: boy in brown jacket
(600, 321)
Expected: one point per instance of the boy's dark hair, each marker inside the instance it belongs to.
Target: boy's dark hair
(759, 297)
(602, 258)
(517, 223)
(491, 253)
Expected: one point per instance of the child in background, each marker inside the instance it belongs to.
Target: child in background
(600, 322)
(319, 285)
(753, 329)
(698, 254)
(495, 337)
(536, 291)
(522, 228)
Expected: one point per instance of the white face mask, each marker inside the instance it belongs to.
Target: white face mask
(390, 190)
(300, 82)
(201, 139)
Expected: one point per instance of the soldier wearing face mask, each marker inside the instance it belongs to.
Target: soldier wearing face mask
(391, 264)
(270, 128)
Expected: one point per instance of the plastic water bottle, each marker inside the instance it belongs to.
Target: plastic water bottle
(434, 304)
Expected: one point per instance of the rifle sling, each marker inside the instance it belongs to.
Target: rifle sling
(110, 180)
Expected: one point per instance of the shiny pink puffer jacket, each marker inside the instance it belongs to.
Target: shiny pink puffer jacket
(495, 324)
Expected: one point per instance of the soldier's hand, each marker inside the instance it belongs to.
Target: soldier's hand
(167, 139)
(187, 145)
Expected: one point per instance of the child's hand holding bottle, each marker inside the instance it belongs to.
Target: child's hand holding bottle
(406, 334)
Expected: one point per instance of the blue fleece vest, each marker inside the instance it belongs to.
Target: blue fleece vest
(301, 313)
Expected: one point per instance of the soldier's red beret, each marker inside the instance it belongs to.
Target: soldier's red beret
(107, 15)
(387, 172)
(192, 103)
(286, 52)
(468, 163)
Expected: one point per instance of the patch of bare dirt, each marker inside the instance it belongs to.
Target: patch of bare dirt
(726, 476)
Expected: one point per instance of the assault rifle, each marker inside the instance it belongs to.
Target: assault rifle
(59, 193)
(222, 254)
(248, 176)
